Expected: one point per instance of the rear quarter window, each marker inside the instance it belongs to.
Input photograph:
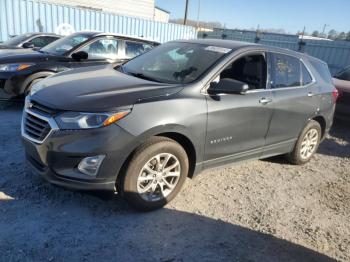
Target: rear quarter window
(323, 71)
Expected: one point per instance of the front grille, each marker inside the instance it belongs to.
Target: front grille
(41, 109)
(35, 127)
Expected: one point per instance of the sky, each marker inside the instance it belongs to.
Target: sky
(291, 15)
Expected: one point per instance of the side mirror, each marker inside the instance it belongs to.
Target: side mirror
(81, 55)
(227, 86)
(28, 45)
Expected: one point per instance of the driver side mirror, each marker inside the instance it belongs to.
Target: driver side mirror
(28, 45)
(227, 86)
(81, 55)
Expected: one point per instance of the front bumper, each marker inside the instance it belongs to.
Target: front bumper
(58, 156)
(12, 84)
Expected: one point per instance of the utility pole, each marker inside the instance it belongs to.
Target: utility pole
(324, 30)
(199, 8)
(186, 9)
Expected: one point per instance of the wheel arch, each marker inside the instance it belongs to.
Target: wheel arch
(176, 133)
(322, 121)
(32, 77)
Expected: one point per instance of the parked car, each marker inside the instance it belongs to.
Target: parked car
(342, 82)
(30, 40)
(20, 71)
(143, 127)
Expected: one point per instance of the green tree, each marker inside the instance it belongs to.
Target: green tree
(348, 36)
(341, 36)
(315, 33)
(332, 34)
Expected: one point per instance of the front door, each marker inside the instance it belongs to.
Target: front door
(102, 51)
(238, 123)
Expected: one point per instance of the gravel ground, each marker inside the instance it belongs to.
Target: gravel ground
(252, 211)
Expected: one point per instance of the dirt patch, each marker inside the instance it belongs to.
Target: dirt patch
(252, 211)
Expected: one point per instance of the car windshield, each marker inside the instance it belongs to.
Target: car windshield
(65, 44)
(16, 40)
(344, 74)
(175, 63)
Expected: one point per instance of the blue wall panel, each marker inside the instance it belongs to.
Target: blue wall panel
(335, 53)
(22, 16)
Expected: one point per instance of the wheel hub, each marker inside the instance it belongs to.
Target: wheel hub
(158, 177)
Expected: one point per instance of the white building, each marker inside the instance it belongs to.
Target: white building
(137, 8)
(161, 15)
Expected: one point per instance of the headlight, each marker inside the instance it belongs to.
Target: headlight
(14, 67)
(76, 120)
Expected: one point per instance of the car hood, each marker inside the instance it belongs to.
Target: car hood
(97, 89)
(22, 55)
(8, 47)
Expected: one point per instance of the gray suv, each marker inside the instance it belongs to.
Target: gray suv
(143, 127)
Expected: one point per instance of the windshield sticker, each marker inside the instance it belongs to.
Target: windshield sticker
(218, 49)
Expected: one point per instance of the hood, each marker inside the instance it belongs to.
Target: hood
(21, 55)
(8, 47)
(97, 89)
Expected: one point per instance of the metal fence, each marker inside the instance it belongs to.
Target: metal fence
(22, 16)
(335, 53)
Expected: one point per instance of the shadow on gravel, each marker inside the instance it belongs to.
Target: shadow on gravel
(338, 142)
(11, 104)
(41, 222)
(60, 225)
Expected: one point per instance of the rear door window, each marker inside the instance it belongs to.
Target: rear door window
(286, 71)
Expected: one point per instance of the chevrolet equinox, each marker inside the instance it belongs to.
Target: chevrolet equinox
(142, 127)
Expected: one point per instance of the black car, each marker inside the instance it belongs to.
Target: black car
(20, 71)
(143, 127)
(29, 40)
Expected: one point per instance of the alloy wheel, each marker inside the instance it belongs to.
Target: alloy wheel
(158, 177)
(309, 143)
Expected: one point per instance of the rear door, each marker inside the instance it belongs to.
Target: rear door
(293, 89)
(238, 123)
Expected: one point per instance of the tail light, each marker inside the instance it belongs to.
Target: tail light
(335, 95)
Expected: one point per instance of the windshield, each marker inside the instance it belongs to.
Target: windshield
(344, 74)
(175, 63)
(16, 40)
(65, 44)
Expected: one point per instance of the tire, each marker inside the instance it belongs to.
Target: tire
(29, 87)
(152, 187)
(303, 151)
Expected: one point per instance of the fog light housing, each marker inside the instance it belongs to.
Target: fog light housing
(90, 165)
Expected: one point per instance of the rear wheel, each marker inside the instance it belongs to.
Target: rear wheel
(155, 174)
(307, 144)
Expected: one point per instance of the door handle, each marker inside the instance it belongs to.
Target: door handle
(265, 101)
(310, 94)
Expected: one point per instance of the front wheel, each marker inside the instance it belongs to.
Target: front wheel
(307, 144)
(155, 174)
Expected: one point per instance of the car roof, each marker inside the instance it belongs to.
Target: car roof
(99, 33)
(235, 45)
(42, 33)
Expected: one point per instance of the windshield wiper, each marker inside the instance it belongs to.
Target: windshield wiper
(140, 75)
